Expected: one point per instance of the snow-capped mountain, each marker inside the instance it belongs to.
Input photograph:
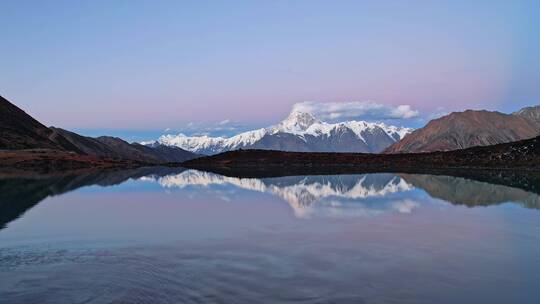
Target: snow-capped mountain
(300, 132)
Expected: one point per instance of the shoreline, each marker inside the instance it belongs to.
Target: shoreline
(43, 161)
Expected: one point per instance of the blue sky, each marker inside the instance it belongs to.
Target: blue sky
(136, 68)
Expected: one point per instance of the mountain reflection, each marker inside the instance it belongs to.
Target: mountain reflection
(368, 194)
(308, 196)
(461, 191)
(326, 195)
(18, 194)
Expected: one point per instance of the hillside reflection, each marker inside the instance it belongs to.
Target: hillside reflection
(308, 196)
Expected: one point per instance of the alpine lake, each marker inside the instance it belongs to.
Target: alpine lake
(174, 235)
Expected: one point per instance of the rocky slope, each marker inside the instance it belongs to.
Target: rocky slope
(530, 113)
(19, 130)
(470, 128)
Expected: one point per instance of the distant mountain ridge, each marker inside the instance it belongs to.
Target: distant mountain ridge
(18, 130)
(460, 130)
(299, 132)
(115, 147)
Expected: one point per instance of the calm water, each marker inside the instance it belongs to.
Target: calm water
(185, 236)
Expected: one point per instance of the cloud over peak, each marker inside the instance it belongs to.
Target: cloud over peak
(359, 110)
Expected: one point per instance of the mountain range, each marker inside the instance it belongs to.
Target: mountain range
(460, 130)
(299, 132)
(302, 132)
(18, 131)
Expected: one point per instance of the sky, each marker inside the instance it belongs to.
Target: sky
(137, 69)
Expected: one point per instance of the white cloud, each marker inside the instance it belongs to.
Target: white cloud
(226, 127)
(365, 110)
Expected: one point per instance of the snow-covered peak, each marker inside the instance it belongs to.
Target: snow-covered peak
(395, 132)
(191, 143)
(210, 145)
(358, 127)
(296, 122)
(245, 138)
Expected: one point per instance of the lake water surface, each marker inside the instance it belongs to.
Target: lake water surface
(186, 236)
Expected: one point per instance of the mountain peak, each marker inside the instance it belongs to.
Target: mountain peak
(297, 121)
(460, 130)
(531, 113)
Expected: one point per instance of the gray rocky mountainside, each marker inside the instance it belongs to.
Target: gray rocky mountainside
(530, 113)
(470, 128)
